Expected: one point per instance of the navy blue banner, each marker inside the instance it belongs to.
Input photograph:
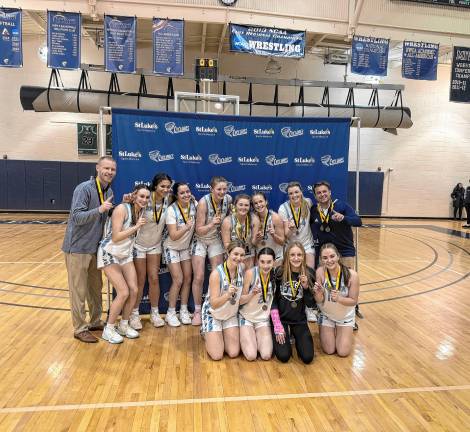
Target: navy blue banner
(253, 153)
(63, 40)
(267, 41)
(460, 75)
(168, 47)
(11, 44)
(120, 43)
(369, 56)
(420, 60)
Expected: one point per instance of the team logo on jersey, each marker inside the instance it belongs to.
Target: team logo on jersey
(271, 160)
(171, 127)
(215, 159)
(327, 160)
(288, 132)
(128, 155)
(232, 132)
(156, 156)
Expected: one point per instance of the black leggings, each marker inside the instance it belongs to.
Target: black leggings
(303, 343)
(467, 209)
(459, 209)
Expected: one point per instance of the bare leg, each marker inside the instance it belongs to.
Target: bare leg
(114, 274)
(186, 286)
(248, 342)
(153, 267)
(141, 270)
(198, 277)
(214, 345)
(328, 339)
(176, 282)
(129, 273)
(265, 342)
(232, 341)
(344, 339)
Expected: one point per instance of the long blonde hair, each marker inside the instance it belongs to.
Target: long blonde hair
(286, 268)
(344, 269)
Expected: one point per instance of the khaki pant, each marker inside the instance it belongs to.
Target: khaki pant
(85, 283)
(349, 262)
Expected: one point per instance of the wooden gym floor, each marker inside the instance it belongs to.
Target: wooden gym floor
(410, 368)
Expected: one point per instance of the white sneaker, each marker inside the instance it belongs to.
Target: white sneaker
(111, 335)
(127, 331)
(134, 322)
(185, 317)
(311, 314)
(172, 320)
(157, 320)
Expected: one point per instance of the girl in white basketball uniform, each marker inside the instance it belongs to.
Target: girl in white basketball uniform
(242, 225)
(220, 308)
(148, 249)
(115, 257)
(211, 210)
(176, 247)
(271, 229)
(255, 307)
(295, 214)
(336, 293)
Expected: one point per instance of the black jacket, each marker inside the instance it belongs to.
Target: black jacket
(457, 196)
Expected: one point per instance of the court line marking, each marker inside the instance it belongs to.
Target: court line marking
(229, 399)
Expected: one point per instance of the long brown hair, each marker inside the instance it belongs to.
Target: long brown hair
(344, 269)
(286, 270)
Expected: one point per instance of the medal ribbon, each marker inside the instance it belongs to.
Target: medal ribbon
(325, 219)
(265, 284)
(293, 290)
(227, 273)
(215, 207)
(184, 212)
(295, 215)
(265, 224)
(100, 191)
(156, 215)
(337, 282)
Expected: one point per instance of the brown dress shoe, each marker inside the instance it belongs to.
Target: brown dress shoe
(97, 327)
(85, 336)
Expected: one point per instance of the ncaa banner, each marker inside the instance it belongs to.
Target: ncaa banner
(120, 43)
(419, 60)
(168, 47)
(369, 56)
(11, 44)
(63, 40)
(252, 153)
(267, 41)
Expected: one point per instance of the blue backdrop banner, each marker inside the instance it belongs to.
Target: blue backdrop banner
(11, 48)
(252, 153)
(420, 60)
(369, 56)
(119, 43)
(63, 40)
(267, 41)
(168, 47)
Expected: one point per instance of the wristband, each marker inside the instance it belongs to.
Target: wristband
(278, 327)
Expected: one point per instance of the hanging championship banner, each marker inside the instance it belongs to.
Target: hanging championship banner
(420, 60)
(63, 40)
(369, 56)
(168, 47)
(460, 75)
(267, 41)
(11, 48)
(120, 43)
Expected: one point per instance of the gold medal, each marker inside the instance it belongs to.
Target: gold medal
(296, 216)
(293, 304)
(264, 307)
